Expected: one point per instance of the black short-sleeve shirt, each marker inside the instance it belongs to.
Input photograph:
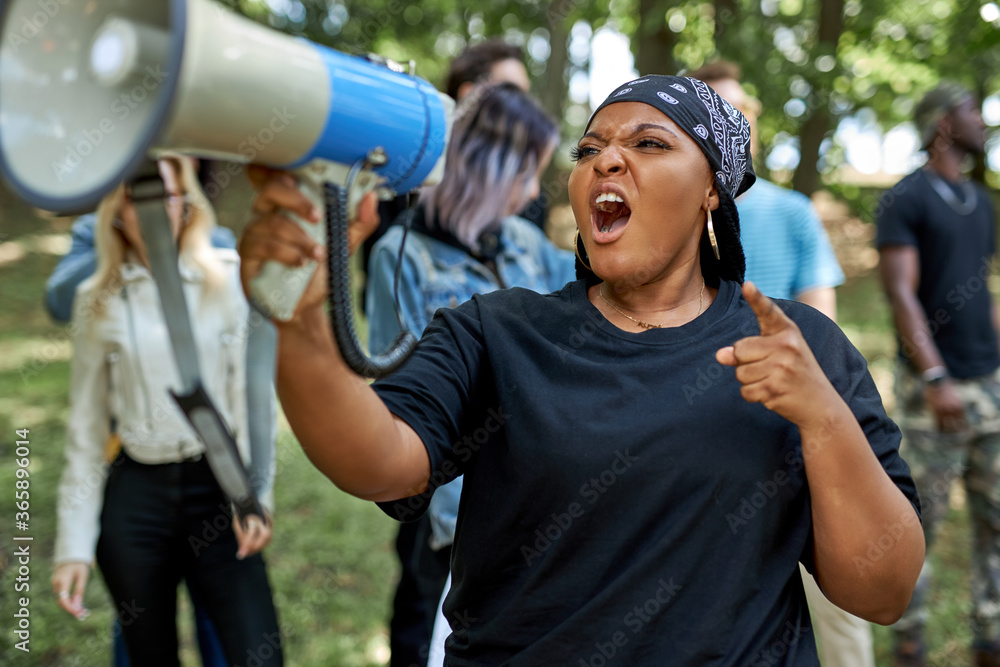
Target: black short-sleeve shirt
(956, 259)
(622, 502)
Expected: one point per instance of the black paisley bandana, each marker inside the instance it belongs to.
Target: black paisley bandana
(723, 135)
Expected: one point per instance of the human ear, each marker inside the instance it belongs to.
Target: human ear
(711, 201)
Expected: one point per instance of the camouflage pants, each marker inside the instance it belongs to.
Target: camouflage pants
(936, 460)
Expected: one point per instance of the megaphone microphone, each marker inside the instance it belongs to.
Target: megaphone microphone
(101, 86)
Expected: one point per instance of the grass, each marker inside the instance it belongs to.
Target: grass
(331, 562)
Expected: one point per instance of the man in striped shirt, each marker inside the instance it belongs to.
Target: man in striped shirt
(787, 250)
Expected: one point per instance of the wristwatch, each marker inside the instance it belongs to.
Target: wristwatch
(935, 376)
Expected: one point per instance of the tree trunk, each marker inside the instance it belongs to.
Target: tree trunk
(553, 95)
(979, 164)
(831, 25)
(654, 44)
(806, 177)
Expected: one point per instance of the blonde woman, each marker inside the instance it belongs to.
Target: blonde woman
(158, 515)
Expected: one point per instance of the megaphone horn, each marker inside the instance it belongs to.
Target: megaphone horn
(101, 84)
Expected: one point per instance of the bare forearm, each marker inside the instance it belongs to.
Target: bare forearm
(823, 299)
(342, 425)
(915, 335)
(853, 499)
(869, 546)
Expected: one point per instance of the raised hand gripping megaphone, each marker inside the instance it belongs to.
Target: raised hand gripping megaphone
(91, 90)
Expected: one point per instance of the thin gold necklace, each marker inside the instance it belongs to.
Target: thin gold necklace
(646, 325)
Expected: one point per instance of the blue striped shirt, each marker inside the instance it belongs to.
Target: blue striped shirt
(786, 246)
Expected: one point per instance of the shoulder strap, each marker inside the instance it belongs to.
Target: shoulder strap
(220, 447)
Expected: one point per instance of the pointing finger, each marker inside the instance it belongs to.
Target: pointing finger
(726, 356)
(770, 317)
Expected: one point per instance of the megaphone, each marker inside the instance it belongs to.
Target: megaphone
(89, 90)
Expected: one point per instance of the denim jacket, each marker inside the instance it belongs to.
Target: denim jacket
(438, 272)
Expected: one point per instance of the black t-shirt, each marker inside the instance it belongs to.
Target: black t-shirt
(955, 254)
(622, 502)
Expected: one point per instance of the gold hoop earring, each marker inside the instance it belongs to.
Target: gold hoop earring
(576, 244)
(711, 235)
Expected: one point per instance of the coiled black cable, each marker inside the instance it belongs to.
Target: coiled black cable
(341, 309)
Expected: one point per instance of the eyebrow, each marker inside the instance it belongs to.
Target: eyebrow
(641, 127)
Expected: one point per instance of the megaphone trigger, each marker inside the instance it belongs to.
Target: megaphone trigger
(277, 289)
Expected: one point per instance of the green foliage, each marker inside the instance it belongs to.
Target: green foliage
(883, 55)
(887, 55)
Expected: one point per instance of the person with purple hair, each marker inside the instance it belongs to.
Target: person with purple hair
(466, 239)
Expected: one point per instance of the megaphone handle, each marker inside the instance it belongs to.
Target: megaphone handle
(277, 288)
(341, 310)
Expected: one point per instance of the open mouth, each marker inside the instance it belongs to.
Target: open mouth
(610, 212)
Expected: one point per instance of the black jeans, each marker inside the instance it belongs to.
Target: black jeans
(164, 523)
